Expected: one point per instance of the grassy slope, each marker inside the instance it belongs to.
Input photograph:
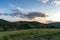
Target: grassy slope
(31, 34)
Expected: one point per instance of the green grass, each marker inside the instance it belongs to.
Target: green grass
(31, 34)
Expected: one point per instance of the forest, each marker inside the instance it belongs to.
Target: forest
(5, 25)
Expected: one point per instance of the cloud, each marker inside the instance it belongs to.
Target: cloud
(12, 19)
(57, 2)
(44, 1)
(15, 8)
(16, 19)
(19, 12)
(33, 15)
(11, 5)
(2, 11)
(23, 10)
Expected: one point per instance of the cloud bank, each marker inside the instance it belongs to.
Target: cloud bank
(33, 15)
(20, 14)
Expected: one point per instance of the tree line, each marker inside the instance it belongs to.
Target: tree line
(22, 25)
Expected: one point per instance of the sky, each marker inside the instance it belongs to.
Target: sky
(21, 9)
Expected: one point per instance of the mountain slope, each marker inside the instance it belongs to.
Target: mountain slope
(55, 24)
(5, 25)
(3, 21)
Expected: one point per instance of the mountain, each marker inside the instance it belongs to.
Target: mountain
(55, 24)
(5, 25)
(3, 21)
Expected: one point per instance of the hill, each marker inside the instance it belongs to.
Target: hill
(3, 21)
(55, 24)
(5, 25)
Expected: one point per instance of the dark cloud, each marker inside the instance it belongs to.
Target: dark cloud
(33, 15)
(25, 14)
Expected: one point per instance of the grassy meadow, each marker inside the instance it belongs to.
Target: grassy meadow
(31, 34)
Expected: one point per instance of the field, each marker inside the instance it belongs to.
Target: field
(31, 34)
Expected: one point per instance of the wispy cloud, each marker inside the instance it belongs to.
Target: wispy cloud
(44, 1)
(11, 5)
(57, 2)
(2, 10)
(20, 12)
(15, 7)
(12, 19)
